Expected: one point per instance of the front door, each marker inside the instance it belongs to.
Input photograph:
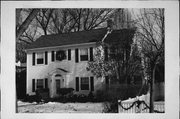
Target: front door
(58, 85)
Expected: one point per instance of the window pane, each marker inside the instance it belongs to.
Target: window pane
(84, 54)
(39, 61)
(84, 87)
(84, 51)
(84, 83)
(39, 83)
(40, 58)
(85, 80)
(39, 55)
(84, 57)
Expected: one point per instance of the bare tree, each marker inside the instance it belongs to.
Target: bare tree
(71, 20)
(43, 17)
(20, 30)
(122, 18)
(150, 35)
(28, 36)
(61, 21)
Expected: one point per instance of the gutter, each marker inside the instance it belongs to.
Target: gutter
(62, 46)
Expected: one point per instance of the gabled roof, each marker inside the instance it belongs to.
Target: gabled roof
(77, 38)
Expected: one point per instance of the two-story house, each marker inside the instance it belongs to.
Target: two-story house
(59, 60)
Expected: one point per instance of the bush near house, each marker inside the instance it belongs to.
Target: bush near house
(41, 94)
(110, 94)
(119, 91)
(65, 91)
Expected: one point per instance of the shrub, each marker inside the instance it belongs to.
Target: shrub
(30, 99)
(110, 107)
(65, 91)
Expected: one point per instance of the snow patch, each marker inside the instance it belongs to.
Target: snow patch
(141, 98)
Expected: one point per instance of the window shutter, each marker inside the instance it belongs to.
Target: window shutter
(33, 85)
(106, 53)
(76, 56)
(52, 56)
(33, 58)
(77, 83)
(46, 57)
(92, 83)
(46, 83)
(91, 53)
(69, 54)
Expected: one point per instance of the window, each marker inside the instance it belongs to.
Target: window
(84, 54)
(84, 83)
(40, 58)
(39, 84)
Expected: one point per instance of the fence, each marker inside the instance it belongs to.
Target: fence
(139, 107)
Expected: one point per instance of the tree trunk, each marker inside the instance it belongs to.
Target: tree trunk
(26, 23)
(152, 88)
(45, 32)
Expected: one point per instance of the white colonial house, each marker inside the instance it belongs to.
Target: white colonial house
(60, 60)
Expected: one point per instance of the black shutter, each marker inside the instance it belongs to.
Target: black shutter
(46, 83)
(92, 83)
(52, 56)
(46, 57)
(69, 54)
(77, 83)
(91, 53)
(33, 58)
(33, 85)
(76, 56)
(106, 53)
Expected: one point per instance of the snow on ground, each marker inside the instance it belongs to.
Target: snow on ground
(142, 97)
(55, 107)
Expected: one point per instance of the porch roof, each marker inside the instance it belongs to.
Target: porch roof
(59, 71)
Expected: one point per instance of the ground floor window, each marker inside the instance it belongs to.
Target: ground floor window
(39, 84)
(84, 83)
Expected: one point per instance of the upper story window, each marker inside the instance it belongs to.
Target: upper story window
(40, 58)
(61, 55)
(84, 54)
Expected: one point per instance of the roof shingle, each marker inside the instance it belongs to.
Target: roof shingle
(76, 38)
